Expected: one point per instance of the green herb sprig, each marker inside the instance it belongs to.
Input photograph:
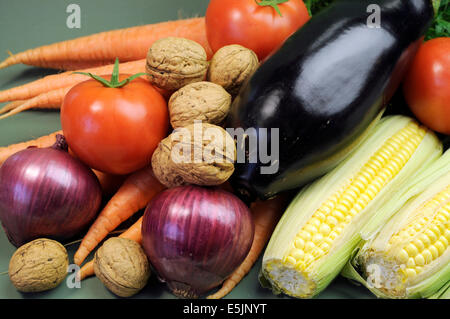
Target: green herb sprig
(315, 6)
(441, 22)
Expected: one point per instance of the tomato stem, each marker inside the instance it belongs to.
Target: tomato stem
(272, 3)
(114, 82)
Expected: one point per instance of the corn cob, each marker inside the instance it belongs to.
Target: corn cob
(410, 256)
(329, 218)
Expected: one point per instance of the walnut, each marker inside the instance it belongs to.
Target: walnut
(38, 265)
(203, 101)
(200, 154)
(175, 62)
(122, 266)
(231, 66)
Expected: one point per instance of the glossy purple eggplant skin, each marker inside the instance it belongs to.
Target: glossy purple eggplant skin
(45, 192)
(324, 87)
(195, 237)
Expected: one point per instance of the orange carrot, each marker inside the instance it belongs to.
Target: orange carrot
(61, 80)
(265, 215)
(128, 44)
(133, 233)
(86, 271)
(11, 106)
(109, 183)
(44, 141)
(48, 100)
(134, 194)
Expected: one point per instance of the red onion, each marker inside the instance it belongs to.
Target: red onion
(195, 237)
(45, 192)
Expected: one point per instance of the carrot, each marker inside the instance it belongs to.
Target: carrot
(128, 44)
(265, 215)
(61, 80)
(44, 141)
(133, 233)
(11, 106)
(109, 183)
(135, 193)
(86, 271)
(48, 100)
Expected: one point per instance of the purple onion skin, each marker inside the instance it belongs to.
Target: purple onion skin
(45, 192)
(195, 237)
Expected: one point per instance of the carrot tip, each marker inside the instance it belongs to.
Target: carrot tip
(10, 106)
(13, 109)
(4, 116)
(10, 110)
(5, 63)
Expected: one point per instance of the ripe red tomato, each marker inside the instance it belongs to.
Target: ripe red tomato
(114, 130)
(258, 27)
(427, 85)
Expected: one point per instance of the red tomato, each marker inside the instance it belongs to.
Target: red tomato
(114, 130)
(256, 27)
(427, 85)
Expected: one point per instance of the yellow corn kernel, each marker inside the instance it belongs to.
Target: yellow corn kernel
(447, 234)
(403, 256)
(297, 253)
(411, 263)
(419, 260)
(299, 243)
(305, 236)
(324, 229)
(427, 255)
(317, 239)
(412, 250)
(440, 247)
(410, 272)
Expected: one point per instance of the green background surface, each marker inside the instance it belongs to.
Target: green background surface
(26, 24)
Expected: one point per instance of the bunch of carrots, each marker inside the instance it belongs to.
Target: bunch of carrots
(91, 54)
(130, 193)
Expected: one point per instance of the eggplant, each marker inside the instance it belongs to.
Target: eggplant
(323, 89)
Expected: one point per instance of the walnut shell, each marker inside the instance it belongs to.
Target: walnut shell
(200, 154)
(201, 101)
(231, 66)
(175, 62)
(122, 266)
(38, 265)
